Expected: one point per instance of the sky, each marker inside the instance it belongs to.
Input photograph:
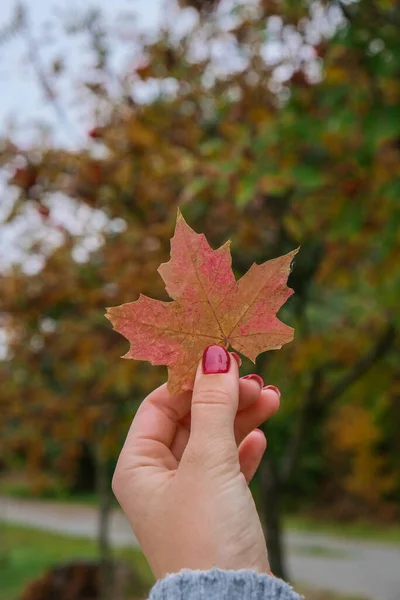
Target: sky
(23, 104)
(21, 99)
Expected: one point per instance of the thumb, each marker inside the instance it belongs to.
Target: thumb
(214, 405)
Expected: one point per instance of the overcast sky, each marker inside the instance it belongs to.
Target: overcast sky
(22, 103)
(21, 99)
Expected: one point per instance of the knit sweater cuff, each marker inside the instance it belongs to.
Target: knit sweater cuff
(218, 584)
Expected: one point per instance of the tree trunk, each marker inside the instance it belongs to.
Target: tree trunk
(103, 487)
(4, 550)
(4, 555)
(270, 502)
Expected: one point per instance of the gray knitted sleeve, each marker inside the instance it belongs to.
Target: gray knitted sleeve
(217, 584)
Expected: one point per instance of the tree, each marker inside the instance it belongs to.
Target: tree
(302, 151)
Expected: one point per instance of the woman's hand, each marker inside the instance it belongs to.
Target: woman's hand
(183, 473)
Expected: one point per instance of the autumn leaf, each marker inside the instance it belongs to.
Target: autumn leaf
(209, 307)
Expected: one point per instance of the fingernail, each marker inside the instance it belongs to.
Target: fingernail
(216, 360)
(272, 387)
(256, 378)
(237, 358)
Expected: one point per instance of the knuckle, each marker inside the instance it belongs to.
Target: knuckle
(123, 485)
(116, 482)
(208, 460)
(212, 397)
(197, 453)
(206, 452)
(115, 487)
(193, 457)
(120, 476)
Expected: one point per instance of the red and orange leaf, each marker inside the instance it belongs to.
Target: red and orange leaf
(196, 272)
(209, 307)
(250, 311)
(166, 333)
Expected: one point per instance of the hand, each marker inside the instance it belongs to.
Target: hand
(183, 473)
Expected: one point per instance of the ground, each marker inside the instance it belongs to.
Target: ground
(339, 563)
(27, 552)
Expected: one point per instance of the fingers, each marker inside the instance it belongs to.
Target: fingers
(253, 416)
(154, 427)
(251, 451)
(161, 428)
(214, 406)
(249, 392)
(255, 407)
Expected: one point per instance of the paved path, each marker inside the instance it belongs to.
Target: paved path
(368, 569)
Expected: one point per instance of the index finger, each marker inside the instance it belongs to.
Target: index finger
(157, 419)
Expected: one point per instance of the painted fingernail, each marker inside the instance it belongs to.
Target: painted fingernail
(216, 360)
(237, 358)
(272, 387)
(256, 378)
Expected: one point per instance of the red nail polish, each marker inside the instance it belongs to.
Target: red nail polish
(216, 360)
(272, 387)
(256, 378)
(237, 358)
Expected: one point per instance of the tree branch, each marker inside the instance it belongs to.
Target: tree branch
(314, 397)
(378, 351)
(291, 456)
(379, 16)
(34, 57)
(346, 12)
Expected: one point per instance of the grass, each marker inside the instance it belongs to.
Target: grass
(17, 486)
(25, 553)
(361, 530)
(318, 550)
(22, 490)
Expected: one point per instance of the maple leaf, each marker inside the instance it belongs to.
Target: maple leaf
(209, 307)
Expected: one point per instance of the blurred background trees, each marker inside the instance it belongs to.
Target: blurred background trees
(274, 123)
